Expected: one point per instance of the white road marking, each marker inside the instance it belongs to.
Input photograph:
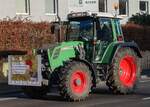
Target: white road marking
(5, 99)
(147, 98)
(143, 81)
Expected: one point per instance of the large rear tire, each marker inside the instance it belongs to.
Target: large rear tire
(124, 72)
(75, 81)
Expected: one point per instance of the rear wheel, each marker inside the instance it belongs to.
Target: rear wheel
(124, 72)
(75, 81)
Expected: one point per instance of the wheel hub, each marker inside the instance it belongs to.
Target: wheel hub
(127, 71)
(78, 82)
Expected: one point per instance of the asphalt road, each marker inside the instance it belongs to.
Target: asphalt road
(101, 97)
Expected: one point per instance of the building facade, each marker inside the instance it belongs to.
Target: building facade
(46, 10)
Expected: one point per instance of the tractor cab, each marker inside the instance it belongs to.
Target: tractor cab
(96, 30)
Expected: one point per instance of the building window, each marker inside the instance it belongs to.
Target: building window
(144, 6)
(23, 6)
(50, 6)
(102, 5)
(123, 7)
(80, 2)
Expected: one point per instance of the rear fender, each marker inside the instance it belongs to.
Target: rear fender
(131, 45)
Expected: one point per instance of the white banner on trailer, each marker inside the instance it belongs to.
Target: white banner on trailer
(23, 74)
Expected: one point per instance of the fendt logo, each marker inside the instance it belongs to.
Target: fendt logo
(90, 1)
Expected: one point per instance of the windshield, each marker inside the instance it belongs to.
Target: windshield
(79, 29)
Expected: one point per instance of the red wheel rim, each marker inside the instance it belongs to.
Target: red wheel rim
(78, 82)
(127, 71)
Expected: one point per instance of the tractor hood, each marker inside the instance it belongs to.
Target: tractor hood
(62, 52)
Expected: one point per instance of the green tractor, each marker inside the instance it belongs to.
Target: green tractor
(94, 51)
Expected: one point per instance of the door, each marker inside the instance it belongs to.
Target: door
(104, 37)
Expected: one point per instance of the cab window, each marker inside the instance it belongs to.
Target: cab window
(117, 27)
(80, 28)
(104, 30)
(118, 30)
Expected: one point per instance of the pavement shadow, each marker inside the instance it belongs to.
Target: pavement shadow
(146, 72)
(102, 91)
(50, 97)
(141, 92)
(56, 97)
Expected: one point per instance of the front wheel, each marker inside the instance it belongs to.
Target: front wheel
(75, 81)
(124, 72)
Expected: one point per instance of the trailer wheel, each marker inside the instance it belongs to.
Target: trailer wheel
(124, 72)
(75, 81)
(35, 92)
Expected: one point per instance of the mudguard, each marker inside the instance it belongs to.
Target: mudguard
(113, 49)
(131, 45)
